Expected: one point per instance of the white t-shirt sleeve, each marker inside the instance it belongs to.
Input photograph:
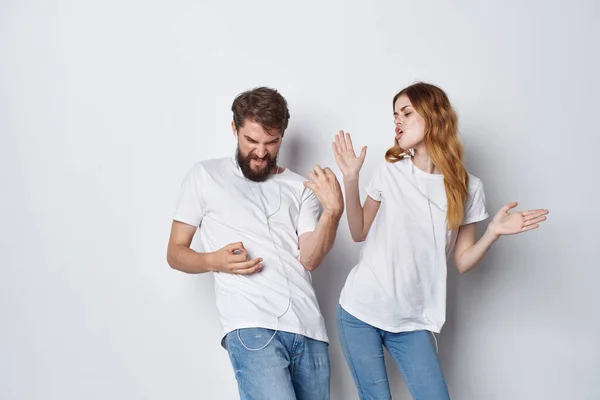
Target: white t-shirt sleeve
(310, 211)
(475, 207)
(190, 205)
(375, 186)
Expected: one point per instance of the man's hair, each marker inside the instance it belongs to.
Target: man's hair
(263, 105)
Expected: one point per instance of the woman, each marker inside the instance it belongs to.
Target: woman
(421, 205)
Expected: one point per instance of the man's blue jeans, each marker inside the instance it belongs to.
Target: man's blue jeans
(290, 367)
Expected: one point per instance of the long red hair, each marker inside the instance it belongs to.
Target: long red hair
(441, 143)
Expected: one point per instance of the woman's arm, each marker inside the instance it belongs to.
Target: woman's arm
(469, 251)
(360, 218)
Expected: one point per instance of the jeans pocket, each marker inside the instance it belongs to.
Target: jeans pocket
(255, 339)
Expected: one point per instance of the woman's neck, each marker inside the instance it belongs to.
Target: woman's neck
(422, 161)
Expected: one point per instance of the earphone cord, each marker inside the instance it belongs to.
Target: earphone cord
(435, 244)
(267, 216)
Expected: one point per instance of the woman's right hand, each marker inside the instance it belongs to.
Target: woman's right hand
(345, 157)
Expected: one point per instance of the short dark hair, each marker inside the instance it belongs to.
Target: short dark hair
(264, 105)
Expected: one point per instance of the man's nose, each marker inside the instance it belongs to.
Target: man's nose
(261, 151)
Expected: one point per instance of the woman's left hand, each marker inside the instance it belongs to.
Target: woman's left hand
(505, 223)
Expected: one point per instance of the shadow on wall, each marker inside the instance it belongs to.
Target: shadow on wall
(299, 154)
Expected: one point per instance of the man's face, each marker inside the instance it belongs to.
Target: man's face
(257, 150)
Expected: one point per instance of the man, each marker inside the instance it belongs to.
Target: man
(263, 229)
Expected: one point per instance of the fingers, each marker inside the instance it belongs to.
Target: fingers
(309, 185)
(363, 153)
(319, 177)
(336, 150)
(236, 252)
(249, 271)
(321, 174)
(529, 228)
(238, 257)
(247, 267)
(341, 142)
(535, 221)
(233, 247)
(509, 206)
(344, 141)
(349, 142)
(530, 214)
(318, 170)
(533, 215)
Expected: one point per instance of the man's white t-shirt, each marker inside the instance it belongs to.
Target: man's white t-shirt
(268, 218)
(399, 283)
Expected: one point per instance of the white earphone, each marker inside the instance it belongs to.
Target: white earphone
(267, 217)
(410, 153)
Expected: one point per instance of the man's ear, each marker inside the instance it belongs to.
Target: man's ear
(234, 130)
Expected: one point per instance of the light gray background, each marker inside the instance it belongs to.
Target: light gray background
(104, 105)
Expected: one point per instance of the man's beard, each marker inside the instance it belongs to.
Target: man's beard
(259, 175)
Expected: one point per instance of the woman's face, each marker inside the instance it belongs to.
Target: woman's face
(410, 126)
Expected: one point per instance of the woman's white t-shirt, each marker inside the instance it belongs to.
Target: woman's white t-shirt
(399, 283)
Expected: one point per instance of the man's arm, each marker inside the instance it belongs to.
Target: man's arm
(315, 245)
(232, 258)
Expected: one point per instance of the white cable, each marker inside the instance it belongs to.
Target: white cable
(426, 195)
(267, 216)
(435, 339)
(260, 348)
(409, 155)
(435, 254)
